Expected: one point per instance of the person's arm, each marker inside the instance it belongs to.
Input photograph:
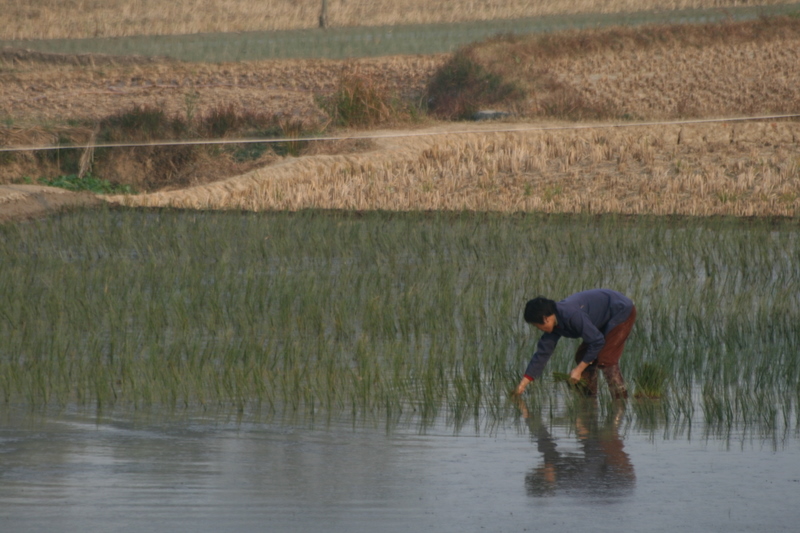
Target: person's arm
(544, 349)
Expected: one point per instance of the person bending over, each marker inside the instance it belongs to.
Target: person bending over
(602, 318)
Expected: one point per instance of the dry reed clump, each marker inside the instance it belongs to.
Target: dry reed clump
(703, 169)
(44, 19)
(360, 101)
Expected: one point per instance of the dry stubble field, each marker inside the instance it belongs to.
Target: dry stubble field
(735, 168)
(56, 19)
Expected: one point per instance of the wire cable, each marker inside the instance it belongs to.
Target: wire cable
(395, 135)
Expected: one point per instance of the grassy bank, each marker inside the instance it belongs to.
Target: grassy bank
(382, 315)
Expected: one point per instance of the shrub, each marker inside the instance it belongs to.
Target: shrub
(462, 86)
(227, 119)
(141, 123)
(148, 166)
(221, 120)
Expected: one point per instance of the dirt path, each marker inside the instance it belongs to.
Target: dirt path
(21, 202)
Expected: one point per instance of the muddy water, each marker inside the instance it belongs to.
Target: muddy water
(120, 473)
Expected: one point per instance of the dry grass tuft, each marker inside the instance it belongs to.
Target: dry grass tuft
(360, 101)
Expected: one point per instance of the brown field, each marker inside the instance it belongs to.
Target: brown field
(728, 168)
(55, 19)
(39, 89)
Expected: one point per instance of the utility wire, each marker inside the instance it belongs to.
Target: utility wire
(510, 129)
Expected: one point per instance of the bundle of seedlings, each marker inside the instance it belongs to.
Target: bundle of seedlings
(581, 386)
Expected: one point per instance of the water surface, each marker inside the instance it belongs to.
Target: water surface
(75, 471)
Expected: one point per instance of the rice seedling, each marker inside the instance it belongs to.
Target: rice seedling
(388, 316)
(581, 386)
(650, 381)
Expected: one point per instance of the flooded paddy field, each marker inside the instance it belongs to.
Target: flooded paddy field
(350, 372)
(112, 473)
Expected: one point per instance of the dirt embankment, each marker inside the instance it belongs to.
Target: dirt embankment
(19, 202)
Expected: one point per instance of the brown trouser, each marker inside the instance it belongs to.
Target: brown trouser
(608, 359)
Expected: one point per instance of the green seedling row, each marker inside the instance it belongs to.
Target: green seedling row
(392, 315)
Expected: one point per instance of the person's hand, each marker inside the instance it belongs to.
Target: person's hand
(523, 384)
(516, 396)
(577, 372)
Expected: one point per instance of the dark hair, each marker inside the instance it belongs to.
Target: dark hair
(538, 308)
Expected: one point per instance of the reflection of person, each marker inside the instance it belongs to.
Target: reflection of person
(601, 468)
(601, 317)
